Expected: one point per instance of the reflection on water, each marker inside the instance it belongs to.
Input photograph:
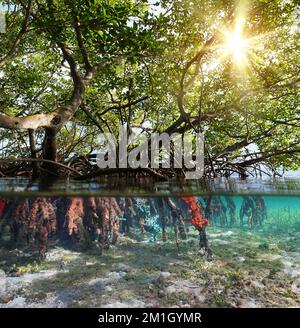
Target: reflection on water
(145, 187)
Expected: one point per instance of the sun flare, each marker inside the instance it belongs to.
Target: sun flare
(235, 44)
(237, 47)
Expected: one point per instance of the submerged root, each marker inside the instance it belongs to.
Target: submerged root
(204, 249)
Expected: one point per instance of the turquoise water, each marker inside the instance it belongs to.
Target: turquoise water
(215, 243)
(93, 219)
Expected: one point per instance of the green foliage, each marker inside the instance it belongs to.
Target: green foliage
(258, 105)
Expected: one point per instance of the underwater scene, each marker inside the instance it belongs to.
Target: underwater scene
(213, 250)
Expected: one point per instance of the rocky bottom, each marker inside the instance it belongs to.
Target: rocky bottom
(249, 269)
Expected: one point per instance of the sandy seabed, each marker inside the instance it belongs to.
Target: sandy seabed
(249, 269)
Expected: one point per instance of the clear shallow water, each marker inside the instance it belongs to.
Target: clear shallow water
(113, 247)
(99, 221)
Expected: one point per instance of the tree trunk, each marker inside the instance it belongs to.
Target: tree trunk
(35, 165)
(50, 149)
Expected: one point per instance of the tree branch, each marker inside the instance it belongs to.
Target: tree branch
(135, 102)
(24, 160)
(81, 45)
(19, 37)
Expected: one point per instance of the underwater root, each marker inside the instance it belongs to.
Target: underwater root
(98, 221)
(90, 221)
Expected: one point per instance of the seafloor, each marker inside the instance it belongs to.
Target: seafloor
(249, 269)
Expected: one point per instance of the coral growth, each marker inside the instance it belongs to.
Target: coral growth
(2, 206)
(197, 219)
(74, 215)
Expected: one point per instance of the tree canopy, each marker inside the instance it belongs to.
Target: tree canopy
(229, 69)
